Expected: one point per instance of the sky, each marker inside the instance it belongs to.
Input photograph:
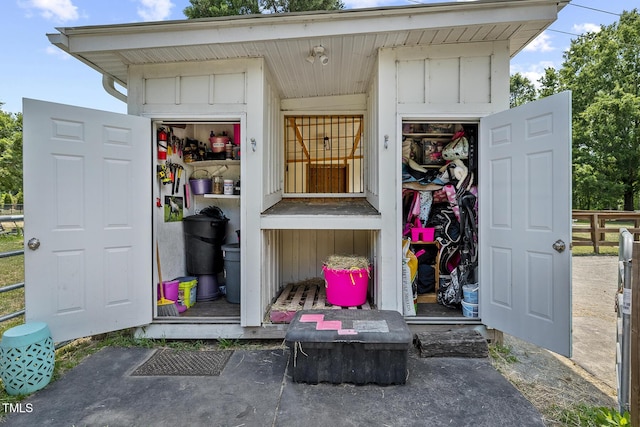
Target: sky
(33, 68)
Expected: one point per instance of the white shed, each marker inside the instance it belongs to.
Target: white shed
(320, 105)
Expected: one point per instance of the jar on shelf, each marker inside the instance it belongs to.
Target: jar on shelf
(218, 185)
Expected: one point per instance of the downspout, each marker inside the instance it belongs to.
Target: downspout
(108, 83)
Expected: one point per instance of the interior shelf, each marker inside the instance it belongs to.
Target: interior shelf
(221, 196)
(205, 163)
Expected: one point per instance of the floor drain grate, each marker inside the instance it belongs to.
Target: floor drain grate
(172, 362)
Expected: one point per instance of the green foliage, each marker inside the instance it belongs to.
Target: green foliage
(225, 344)
(549, 83)
(217, 8)
(611, 417)
(10, 152)
(603, 72)
(212, 8)
(521, 90)
(502, 352)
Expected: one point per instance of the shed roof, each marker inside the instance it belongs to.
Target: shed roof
(351, 39)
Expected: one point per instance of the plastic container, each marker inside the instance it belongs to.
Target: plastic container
(203, 237)
(231, 254)
(469, 310)
(207, 289)
(171, 292)
(228, 186)
(200, 186)
(422, 234)
(346, 288)
(349, 346)
(187, 291)
(470, 293)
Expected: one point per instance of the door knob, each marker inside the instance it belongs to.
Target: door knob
(559, 246)
(33, 243)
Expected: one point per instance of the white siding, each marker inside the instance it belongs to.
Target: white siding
(273, 156)
(180, 89)
(456, 80)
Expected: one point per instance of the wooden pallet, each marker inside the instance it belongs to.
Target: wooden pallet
(308, 295)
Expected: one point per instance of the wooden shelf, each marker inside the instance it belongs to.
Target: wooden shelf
(431, 296)
(206, 163)
(429, 135)
(428, 298)
(221, 196)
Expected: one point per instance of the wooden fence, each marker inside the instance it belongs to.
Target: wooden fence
(597, 227)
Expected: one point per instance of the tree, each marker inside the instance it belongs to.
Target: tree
(603, 72)
(521, 90)
(210, 8)
(10, 152)
(549, 83)
(214, 8)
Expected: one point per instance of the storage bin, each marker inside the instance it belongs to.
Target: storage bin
(171, 292)
(201, 186)
(231, 255)
(422, 234)
(469, 310)
(346, 288)
(470, 293)
(27, 358)
(348, 346)
(187, 290)
(203, 236)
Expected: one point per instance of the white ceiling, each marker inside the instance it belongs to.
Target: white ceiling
(351, 39)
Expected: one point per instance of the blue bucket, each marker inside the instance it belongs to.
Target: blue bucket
(470, 293)
(469, 310)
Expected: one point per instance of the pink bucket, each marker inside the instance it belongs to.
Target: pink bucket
(346, 288)
(171, 288)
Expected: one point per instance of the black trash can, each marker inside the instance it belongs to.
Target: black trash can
(204, 235)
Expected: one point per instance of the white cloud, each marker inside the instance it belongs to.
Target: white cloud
(533, 71)
(542, 43)
(155, 10)
(586, 28)
(59, 10)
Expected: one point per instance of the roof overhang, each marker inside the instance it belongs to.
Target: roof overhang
(351, 39)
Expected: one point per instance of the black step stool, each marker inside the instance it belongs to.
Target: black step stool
(348, 346)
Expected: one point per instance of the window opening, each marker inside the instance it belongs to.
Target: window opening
(324, 155)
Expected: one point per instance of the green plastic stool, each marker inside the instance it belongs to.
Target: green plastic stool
(27, 358)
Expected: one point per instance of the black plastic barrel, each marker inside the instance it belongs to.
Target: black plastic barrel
(204, 236)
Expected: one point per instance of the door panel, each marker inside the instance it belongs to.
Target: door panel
(88, 199)
(525, 206)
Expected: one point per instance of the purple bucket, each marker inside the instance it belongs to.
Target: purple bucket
(200, 186)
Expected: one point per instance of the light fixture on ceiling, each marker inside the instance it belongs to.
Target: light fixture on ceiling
(318, 52)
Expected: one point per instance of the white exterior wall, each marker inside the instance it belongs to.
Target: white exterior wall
(453, 81)
(272, 188)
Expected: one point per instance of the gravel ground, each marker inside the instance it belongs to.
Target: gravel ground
(553, 382)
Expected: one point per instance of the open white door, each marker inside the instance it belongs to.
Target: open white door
(87, 187)
(525, 219)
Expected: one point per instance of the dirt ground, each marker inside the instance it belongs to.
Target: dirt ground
(553, 382)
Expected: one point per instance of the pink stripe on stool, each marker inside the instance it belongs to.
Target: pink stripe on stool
(308, 318)
(329, 325)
